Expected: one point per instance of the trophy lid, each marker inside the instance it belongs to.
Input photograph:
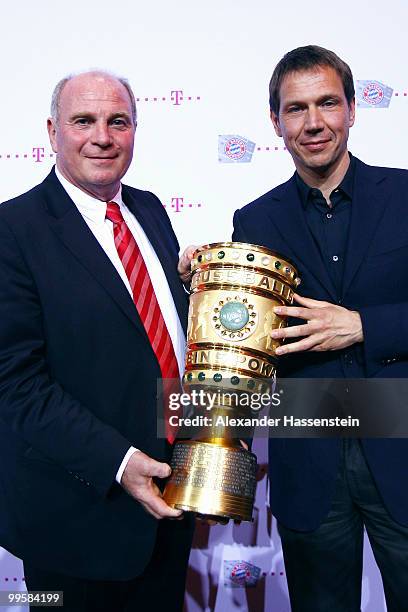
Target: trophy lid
(233, 254)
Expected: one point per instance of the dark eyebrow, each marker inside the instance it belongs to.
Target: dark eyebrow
(329, 96)
(323, 98)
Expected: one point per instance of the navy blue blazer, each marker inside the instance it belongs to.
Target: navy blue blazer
(78, 383)
(303, 471)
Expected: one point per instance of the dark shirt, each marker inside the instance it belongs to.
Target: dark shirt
(329, 225)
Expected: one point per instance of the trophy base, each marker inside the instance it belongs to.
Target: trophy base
(212, 480)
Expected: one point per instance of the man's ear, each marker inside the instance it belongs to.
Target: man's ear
(352, 112)
(52, 133)
(275, 121)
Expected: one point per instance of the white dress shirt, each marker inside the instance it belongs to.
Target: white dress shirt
(93, 212)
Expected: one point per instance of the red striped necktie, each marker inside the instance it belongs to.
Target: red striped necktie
(144, 298)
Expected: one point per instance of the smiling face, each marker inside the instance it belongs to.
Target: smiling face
(94, 135)
(314, 120)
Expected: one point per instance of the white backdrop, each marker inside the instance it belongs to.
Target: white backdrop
(201, 71)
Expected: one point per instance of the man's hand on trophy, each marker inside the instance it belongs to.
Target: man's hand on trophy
(328, 327)
(184, 267)
(137, 480)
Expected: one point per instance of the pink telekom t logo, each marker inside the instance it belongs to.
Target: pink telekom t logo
(177, 97)
(178, 203)
(38, 153)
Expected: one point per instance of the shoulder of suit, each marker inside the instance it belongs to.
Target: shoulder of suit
(141, 194)
(147, 198)
(22, 203)
(268, 198)
(395, 173)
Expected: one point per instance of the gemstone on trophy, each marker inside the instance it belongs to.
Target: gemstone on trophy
(234, 316)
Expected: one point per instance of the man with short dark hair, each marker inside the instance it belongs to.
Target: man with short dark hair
(342, 224)
(92, 314)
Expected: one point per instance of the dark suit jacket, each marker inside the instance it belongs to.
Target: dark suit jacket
(77, 386)
(303, 471)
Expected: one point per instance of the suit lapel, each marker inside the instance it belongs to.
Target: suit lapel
(368, 206)
(291, 223)
(67, 222)
(157, 238)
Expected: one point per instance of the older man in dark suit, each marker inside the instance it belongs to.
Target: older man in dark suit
(92, 314)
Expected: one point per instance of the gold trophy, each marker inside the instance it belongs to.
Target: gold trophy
(231, 354)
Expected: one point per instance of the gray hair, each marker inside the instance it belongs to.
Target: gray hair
(56, 94)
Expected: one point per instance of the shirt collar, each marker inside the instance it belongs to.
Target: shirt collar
(90, 208)
(346, 184)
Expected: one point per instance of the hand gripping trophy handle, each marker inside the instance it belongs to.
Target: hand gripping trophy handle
(230, 352)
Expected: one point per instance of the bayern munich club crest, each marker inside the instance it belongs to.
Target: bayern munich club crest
(233, 148)
(373, 94)
(241, 574)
